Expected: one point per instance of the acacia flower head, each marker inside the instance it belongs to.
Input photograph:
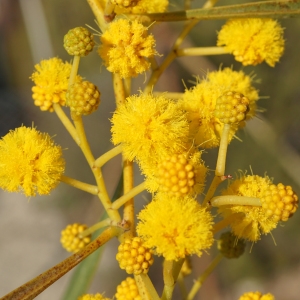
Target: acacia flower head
(125, 47)
(128, 290)
(149, 127)
(179, 174)
(134, 257)
(248, 222)
(71, 240)
(253, 40)
(51, 83)
(175, 226)
(256, 296)
(30, 162)
(138, 6)
(200, 104)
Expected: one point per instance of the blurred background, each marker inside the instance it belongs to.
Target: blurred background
(31, 30)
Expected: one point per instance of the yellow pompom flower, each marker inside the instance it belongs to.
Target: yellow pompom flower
(175, 227)
(200, 103)
(30, 162)
(248, 222)
(279, 202)
(93, 297)
(141, 7)
(253, 41)
(128, 290)
(149, 127)
(70, 239)
(134, 257)
(51, 83)
(256, 296)
(125, 47)
(179, 174)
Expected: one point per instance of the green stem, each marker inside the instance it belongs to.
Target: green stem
(197, 51)
(172, 54)
(89, 188)
(198, 283)
(145, 287)
(221, 161)
(103, 159)
(212, 188)
(132, 193)
(264, 9)
(74, 70)
(66, 122)
(102, 191)
(234, 200)
(171, 272)
(34, 287)
(98, 11)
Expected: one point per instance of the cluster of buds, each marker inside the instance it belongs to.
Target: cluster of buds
(133, 257)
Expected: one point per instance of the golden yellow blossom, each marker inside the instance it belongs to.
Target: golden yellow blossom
(149, 127)
(279, 202)
(253, 41)
(128, 290)
(30, 162)
(200, 103)
(248, 222)
(93, 297)
(256, 296)
(179, 174)
(125, 47)
(134, 257)
(175, 227)
(70, 239)
(51, 82)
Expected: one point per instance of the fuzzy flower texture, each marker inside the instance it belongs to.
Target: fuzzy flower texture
(279, 203)
(51, 83)
(175, 227)
(149, 127)
(253, 41)
(30, 162)
(125, 48)
(200, 103)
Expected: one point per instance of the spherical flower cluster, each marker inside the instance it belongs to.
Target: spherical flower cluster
(125, 48)
(189, 231)
(149, 127)
(279, 202)
(51, 83)
(93, 297)
(128, 290)
(180, 174)
(134, 257)
(83, 98)
(256, 296)
(230, 246)
(248, 222)
(253, 41)
(231, 107)
(70, 239)
(141, 7)
(200, 104)
(79, 41)
(30, 162)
